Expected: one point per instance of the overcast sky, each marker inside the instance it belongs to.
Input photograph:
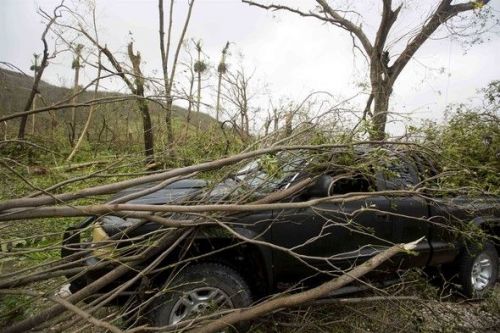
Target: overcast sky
(293, 55)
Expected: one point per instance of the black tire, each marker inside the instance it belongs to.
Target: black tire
(471, 258)
(195, 279)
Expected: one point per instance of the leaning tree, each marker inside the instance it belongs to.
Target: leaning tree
(384, 67)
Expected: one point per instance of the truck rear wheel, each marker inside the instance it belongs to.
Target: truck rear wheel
(478, 270)
(200, 290)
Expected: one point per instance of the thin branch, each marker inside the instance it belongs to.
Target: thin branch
(442, 14)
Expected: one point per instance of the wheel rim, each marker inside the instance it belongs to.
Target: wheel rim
(482, 271)
(199, 301)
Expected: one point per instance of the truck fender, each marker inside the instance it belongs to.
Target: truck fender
(264, 251)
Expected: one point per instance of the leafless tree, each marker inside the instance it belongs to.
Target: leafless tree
(51, 19)
(136, 87)
(188, 92)
(167, 57)
(239, 92)
(221, 71)
(200, 67)
(384, 68)
(142, 103)
(35, 68)
(96, 90)
(76, 65)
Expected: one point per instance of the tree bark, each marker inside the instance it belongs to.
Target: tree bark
(381, 96)
(168, 121)
(147, 131)
(190, 102)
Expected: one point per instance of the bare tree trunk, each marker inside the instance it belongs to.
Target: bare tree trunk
(22, 128)
(137, 88)
(275, 120)
(142, 104)
(147, 127)
(221, 69)
(44, 63)
(168, 121)
(380, 112)
(198, 93)
(267, 124)
(199, 67)
(76, 66)
(190, 103)
(91, 112)
(5, 136)
(244, 115)
(72, 124)
(168, 81)
(33, 117)
(288, 123)
(217, 106)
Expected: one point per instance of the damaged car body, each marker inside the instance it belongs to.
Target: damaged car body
(349, 209)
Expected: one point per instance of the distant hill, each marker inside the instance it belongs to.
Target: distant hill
(15, 88)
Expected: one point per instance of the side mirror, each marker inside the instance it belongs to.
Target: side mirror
(321, 187)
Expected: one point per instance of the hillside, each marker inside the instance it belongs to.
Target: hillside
(15, 88)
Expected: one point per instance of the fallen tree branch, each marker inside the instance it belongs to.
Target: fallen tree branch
(112, 188)
(73, 166)
(356, 300)
(305, 296)
(131, 209)
(52, 312)
(276, 196)
(86, 316)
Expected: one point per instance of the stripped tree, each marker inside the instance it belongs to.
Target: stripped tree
(200, 67)
(75, 65)
(384, 68)
(169, 61)
(41, 68)
(221, 70)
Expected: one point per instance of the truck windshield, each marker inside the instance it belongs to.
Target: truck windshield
(269, 173)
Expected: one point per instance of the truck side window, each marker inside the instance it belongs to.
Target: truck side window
(349, 184)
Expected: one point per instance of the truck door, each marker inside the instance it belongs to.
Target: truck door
(345, 232)
(407, 214)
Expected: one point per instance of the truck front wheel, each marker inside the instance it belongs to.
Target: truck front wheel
(200, 290)
(478, 270)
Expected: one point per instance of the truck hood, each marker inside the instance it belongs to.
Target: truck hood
(173, 193)
(179, 192)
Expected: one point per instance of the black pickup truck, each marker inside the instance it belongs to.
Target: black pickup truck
(351, 210)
